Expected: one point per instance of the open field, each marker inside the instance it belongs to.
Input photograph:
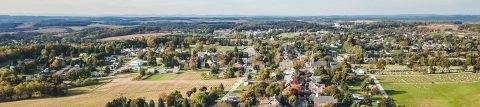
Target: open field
(428, 79)
(122, 86)
(435, 90)
(287, 35)
(132, 36)
(439, 26)
(160, 76)
(229, 48)
(435, 95)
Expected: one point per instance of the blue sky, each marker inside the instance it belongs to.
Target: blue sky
(238, 7)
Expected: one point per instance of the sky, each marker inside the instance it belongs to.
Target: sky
(238, 7)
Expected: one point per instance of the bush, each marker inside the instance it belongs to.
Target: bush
(85, 82)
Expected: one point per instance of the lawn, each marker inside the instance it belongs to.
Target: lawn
(240, 89)
(229, 48)
(435, 95)
(435, 90)
(160, 76)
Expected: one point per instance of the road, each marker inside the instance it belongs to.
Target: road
(59, 72)
(379, 86)
(239, 82)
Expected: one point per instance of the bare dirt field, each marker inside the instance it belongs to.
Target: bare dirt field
(132, 36)
(124, 86)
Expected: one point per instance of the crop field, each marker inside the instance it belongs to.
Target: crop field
(123, 86)
(439, 26)
(160, 76)
(132, 36)
(437, 90)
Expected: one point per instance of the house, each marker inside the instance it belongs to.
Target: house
(12, 67)
(170, 70)
(95, 74)
(357, 97)
(251, 52)
(152, 71)
(46, 70)
(286, 64)
(233, 99)
(332, 64)
(360, 71)
(135, 64)
(320, 101)
(268, 102)
(319, 64)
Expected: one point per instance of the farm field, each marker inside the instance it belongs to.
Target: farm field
(123, 85)
(160, 76)
(437, 90)
(132, 36)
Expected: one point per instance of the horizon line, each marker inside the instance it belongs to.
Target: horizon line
(226, 15)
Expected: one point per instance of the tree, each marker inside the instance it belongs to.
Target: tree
(192, 63)
(139, 102)
(151, 103)
(198, 99)
(151, 58)
(248, 98)
(140, 55)
(367, 100)
(185, 103)
(56, 65)
(161, 102)
(292, 100)
(224, 104)
(386, 102)
(263, 74)
(381, 63)
(151, 42)
(222, 88)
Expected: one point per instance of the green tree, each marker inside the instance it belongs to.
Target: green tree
(292, 100)
(161, 103)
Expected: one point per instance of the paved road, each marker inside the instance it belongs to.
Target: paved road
(377, 83)
(239, 82)
(236, 85)
(59, 72)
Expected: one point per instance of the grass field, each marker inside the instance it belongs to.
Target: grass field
(123, 85)
(435, 95)
(432, 78)
(437, 90)
(286, 35)
(240, 89)
(229, 48)
(160, 76)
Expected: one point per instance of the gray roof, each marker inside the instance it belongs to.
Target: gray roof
(320, 64)
(323, 99)
(286, 63)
